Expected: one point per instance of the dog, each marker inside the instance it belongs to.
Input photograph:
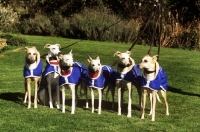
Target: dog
(49, 91)
(99, 77)
(72, 74)
(32, 72)
(127, 75)
(154, 79)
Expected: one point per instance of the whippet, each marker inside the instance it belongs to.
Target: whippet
(127, 75)
(72, 74)
(32, 72)
(50, 78)
(99, 77)
(154, 79)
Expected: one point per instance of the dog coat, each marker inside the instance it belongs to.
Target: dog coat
(160, 81)
(51, 66)
(96, 80)
(33, 72)
(73, 75)
(130, 76)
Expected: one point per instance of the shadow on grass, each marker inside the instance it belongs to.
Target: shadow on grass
(15, 97)
(106, 105)
(179, 91)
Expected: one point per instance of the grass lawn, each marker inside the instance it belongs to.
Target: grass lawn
(181, 66)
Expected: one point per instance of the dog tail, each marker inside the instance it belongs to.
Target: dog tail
(158, 98)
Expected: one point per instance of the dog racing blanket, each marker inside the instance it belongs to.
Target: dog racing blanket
(130, 76)
(99, 80)
(52, 66)
(33, 72)
(160, 81)
(72, 75)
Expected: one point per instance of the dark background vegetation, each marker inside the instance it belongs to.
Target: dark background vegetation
(91, 19)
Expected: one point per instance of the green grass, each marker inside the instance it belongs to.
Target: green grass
(181, 66)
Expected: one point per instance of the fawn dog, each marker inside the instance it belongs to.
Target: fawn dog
(127, 75)
(99, 77)
(49, 89)
(32, 72)
(72, 74)
(154, 79)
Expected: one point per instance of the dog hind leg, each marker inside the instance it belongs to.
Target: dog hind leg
(164, 95)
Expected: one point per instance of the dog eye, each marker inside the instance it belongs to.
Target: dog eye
(98, 64)
(122, 58)
(34, 53)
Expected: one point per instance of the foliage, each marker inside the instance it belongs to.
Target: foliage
(95, 24)
(8, 19)
(14, 40)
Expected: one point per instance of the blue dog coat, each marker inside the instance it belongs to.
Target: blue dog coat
(73, 75)
(105, 77)
(52, 66)
(160, 81)
(33, 72)
(130, 76)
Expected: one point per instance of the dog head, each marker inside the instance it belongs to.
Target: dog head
(32, 55)
(123, 58)
(148, 63)
(54, 49)
(94, 64)
(67, 59)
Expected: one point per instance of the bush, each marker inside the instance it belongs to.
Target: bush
(14, 41)
(93, 24)
(40, 25)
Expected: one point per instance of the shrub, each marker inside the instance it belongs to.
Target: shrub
(14, 41)
(8, 19)
(92, 24)
(40, 25)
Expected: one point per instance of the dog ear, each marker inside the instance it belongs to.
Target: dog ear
(97, 57)
(154, 58)
(47, 45)
(128, 52)
(58, 45)
(25, 49)
(70, 52)
(89, 58)
(117, 53)
(60, 56)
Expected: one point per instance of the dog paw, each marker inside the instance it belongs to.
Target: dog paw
(119, 114)
(128, 116)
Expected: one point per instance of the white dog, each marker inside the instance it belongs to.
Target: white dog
(154, 79)
(99, 77)
(32, 72)
(72, 74)
(127, 75)
(50, 77)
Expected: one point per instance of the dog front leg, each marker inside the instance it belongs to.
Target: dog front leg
(143, 103)
(154, 105)
(100, 100)
(92, 99)
(26, 93)
(36, 90)
(63, 99)
(72, 87)
(58, 96)
(50, 94)
(129, 86)
(119, 101)
(28, 83)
